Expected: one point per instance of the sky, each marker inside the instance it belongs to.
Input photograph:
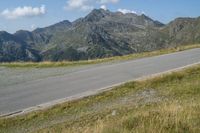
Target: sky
(31, 14)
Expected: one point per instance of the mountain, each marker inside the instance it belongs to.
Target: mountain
(99, 34)
(14, 49)
(42, 36)
(184, 31)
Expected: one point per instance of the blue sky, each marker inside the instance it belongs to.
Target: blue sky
(29, 14)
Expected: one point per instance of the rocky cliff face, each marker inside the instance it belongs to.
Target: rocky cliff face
(100, 34)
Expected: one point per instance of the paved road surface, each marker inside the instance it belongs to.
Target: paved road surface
(25, 95)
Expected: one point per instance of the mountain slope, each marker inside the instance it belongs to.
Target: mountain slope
(14, 49)
(184, 30)
(101, 34)
(40, 37)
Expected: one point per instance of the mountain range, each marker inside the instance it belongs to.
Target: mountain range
(100, 34)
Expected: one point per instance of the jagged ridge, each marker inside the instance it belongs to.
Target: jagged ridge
(100, 34)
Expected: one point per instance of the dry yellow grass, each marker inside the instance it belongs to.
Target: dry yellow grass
(164, 104)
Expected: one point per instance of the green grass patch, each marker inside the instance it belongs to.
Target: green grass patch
(96, 61)
(167, 103)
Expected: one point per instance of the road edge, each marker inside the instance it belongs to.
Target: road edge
(48, 105)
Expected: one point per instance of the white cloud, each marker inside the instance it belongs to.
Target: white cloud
(125, 11)
(33, 26)
(26, 11)
(79, 4)
(103, 7)
(143, 13)
(86, 5)
(109, 1)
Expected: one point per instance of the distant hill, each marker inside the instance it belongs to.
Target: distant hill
(99, 34)
(183, 31)
(14, 49)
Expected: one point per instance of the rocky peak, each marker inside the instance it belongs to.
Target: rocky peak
(5, 36)
(97, 14)
(56, 27)
(4, 33)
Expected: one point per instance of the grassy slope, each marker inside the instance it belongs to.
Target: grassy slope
(168, 103)
(88, 62)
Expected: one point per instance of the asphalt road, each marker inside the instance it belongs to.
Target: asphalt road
(33, 93)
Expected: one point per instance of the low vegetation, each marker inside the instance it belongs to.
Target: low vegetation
(167, 103)
(96, 61)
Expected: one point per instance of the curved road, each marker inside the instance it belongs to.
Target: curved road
(29, 94)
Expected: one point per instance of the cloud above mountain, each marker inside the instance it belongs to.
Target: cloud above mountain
(125, 11)
(86, 5)
(79, 4)
(108, 1)
(26, 11)
(103, 7)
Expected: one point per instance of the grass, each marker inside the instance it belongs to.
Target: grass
(169, 104)
(96, 61)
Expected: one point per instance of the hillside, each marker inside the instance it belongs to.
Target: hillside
(99, 34)
(15, 49)
(183, 30)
